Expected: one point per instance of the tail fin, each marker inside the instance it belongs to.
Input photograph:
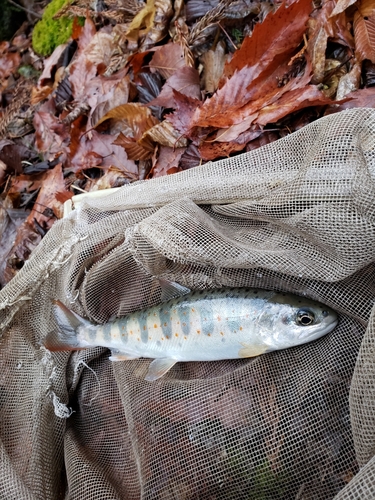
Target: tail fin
(65, 339)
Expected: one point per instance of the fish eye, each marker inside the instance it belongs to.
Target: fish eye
(305, 318)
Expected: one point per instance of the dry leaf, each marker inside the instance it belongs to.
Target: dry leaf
(167, 60)
(143, 19)
(213, 62)
(349, 82)
(159, 28)
(133, 119)
(341, 6)
(165, 134)
(168, 161)
(185, 80)
(51, 136)
(364, 34)
(9, 63)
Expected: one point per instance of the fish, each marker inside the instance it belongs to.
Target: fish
(227, 323)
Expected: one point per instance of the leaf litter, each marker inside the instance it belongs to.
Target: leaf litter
(145, 89)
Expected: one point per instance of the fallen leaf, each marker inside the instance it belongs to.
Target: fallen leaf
(165, 134)
(349, 82)
(364, 34)
(278, 35)
(52, 181)
(99, 151)
(167, 162)
(143, 19)
(185, 80)
(291, 102)
(51, 136)
(133, 119)
(340, 6)
(213, 63)
(167, 60)
(160, 23)
(9, 63)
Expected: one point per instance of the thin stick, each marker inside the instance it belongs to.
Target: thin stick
(25, 9)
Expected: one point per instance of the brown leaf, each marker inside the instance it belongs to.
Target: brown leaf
(50, 65)
(341, 6)
(291, 102)
(323, 25)
(106, 93)
(9, 63)
(167, 162)
(159, 28)
(168, 59)
(163, 133)
(134, 149)
(133, 119)
(52, 182)
(362, 98)
(349, 82)
(51, 136)
(26, 240)
(185, 80)
(364, 34)
(213, 63)
(99, 151)
(214, 150)
(279, 34)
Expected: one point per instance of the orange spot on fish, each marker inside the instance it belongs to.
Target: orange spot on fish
(145, 327)
(241, 328)
(123, 335)
(154, 314)
(198, 332)
(184, 313)
(218, 318)
(176, 334)
(131, 332)
(208, 335)
(167, 337)
(165, 324)
(221, 333)
(185, 337)
(183, 324)
(192, 310)
(138, 339)
(174, 311)
(178, 322)
(162, 338)
(155, 325)
(150, 338)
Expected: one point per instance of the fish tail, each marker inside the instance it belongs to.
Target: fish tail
(65, 338)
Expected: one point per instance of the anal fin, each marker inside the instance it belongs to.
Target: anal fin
(251, 350)
(159, 367)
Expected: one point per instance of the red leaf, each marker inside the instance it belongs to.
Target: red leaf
(185, 80)
(51, 136)
(279, 34)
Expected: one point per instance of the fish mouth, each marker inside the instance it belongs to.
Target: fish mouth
(317, 332)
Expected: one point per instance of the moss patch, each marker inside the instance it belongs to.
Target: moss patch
(49, 33)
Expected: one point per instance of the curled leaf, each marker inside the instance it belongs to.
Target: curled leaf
(165, 134)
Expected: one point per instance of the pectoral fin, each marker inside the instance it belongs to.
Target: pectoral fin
(159, 367)
(121, 356)
(249, 351)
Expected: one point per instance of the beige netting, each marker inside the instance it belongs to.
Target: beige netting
(296, 215)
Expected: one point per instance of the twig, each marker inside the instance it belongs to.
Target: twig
(29, 11)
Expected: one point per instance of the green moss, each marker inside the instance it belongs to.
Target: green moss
(49, 33)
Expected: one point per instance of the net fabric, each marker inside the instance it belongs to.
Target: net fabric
(296, 215)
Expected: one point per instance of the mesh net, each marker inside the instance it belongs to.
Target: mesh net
(296, 215)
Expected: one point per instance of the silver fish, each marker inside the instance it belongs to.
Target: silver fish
(228, 323)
